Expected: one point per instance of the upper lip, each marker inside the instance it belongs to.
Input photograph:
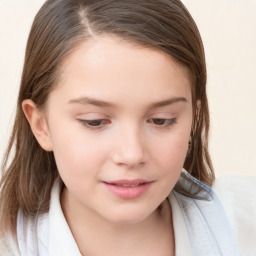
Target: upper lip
(127, 182)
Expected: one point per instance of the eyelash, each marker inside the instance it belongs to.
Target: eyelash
(97, 124)
(100, 123)
(166, 122)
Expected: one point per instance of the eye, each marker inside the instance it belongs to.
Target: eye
(94, 123)
(163, 122)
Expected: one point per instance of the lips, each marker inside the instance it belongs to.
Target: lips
(128, 189)
(128, 185)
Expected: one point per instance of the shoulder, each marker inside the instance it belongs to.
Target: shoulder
(9, 246)
(238, 197)
(237, 193)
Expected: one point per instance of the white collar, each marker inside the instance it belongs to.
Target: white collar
(61, 240)
(50, 235)
(182, 243)
(200, 225)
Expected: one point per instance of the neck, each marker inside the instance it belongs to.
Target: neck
(95, 235)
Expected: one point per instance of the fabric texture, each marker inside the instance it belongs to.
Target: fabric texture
(238, 197)
(212, 222)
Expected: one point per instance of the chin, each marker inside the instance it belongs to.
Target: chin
(130, 216)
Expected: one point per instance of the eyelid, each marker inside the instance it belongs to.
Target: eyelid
(102, 123)
(163, 114)
(167, 122)
(92, 116)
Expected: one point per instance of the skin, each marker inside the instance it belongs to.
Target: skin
(139, 106)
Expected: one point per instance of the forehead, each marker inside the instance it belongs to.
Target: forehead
(112, 67)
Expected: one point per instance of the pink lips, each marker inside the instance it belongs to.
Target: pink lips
(128, 189)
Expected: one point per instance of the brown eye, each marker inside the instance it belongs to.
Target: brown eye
(162, 122)
(158, 121)
(95, 123)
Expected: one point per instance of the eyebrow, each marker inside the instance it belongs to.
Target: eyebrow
(91, 101)
(101, 103)
(168, 102)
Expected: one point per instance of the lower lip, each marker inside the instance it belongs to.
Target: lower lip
(128, 192)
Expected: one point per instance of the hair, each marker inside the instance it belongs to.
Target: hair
(58, 28)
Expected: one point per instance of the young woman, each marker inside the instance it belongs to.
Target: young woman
(109, 144)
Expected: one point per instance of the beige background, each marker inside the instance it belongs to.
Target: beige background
(228, 29)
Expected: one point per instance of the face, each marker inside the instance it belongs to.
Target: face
(119, 123)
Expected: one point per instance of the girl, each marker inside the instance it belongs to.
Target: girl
(110, 139)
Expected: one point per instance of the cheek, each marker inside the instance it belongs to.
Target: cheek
(76, 153)
(169, 158)
(171, 152)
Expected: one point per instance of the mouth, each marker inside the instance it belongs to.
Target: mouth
(128, 185)
(128, 189)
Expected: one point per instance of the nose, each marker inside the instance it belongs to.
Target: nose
(130, 149)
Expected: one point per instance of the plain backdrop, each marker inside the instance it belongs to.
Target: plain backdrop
(228, 29)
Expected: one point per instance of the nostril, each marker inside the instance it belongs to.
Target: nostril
(130, 160)
(129, 148)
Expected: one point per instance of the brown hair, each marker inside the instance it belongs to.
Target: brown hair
(58, 28)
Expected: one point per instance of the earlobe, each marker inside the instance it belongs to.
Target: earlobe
(38, 124)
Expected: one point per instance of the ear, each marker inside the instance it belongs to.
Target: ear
(38, 124)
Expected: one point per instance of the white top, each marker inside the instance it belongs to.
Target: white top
(55, 238)
(200, 224)
(238, 196)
